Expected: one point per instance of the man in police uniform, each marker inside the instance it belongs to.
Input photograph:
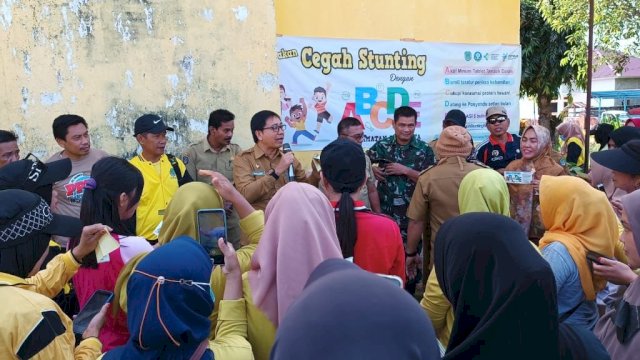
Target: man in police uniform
(435, 198)
(502, 147)
(216, 152)
(260, 171)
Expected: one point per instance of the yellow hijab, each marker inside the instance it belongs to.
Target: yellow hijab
(180, 216)
(581, 218)
(483, 190)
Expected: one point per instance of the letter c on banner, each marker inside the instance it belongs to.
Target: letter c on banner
(375, 110)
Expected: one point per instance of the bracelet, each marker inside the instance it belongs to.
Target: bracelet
(406, 254)
(74, 257)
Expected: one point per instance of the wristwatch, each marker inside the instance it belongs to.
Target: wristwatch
(273, 173)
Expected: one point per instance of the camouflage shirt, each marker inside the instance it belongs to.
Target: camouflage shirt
(395, 193)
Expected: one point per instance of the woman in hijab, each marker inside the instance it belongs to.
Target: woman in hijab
(482, 190)
(169, 302)
(180, 219)
(510, 315)
(535, 146)
(299, 234)
(330, 320)
(618, 328)
(578, 219)
(573, 148)
(635, 122)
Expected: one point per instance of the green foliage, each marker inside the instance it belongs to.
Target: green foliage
(616, 29)
(543, 49)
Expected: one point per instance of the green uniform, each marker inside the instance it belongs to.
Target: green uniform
(395, 193)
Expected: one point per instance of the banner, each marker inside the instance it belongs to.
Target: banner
(324, 80)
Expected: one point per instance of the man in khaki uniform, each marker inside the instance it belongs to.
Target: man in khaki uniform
(216, 152)
(435, 198)
(260, 171)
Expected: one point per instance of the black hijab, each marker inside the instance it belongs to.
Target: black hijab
(502, 291)
(347, 313)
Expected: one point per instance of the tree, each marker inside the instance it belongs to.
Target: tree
(543, 49)
(616, 31)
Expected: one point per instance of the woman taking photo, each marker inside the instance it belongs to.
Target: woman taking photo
(110, 197)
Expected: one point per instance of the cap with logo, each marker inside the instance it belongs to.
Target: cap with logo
(496, 110)
(30, 175)
(24, 214)
(150, 123)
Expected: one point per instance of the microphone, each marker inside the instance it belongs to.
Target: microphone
(286, 148)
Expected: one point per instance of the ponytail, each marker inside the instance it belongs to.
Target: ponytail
(346, 224)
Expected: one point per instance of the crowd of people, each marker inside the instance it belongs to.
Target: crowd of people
(516, 257)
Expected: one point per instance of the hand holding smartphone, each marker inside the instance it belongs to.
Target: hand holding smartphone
(90, 310)
(212, 225)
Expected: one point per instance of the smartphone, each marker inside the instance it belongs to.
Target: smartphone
(90, 309)
(212, 225)
(592, 257)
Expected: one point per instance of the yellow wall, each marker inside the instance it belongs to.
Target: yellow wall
(456, 21)
(452, 21)
(111, 61)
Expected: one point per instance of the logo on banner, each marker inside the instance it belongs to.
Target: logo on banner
(477, 56)
(467, 55)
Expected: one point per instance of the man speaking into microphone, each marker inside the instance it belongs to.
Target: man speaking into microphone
(266, 167)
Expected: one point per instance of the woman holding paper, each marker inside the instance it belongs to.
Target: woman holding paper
(110, 197)
(536, 160)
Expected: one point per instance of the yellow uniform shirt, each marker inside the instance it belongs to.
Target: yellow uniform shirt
(160, 183)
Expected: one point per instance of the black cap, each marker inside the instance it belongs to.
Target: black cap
(150, 123)
(625, 159)
(343, 165)
(457, 117)
(31, 174)
(24, 214)
(622, 135)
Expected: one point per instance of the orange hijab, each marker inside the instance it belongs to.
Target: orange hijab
(581, 218)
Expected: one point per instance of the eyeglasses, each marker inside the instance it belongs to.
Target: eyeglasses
(276, 128)
(497, 120)
(356, 137)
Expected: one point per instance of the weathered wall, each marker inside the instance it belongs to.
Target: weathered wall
(111, 61)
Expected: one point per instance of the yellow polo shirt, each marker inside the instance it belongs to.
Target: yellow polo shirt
(160, 183)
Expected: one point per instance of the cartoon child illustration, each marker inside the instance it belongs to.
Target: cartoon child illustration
(297, 121)
(320, 98)
(285, 102)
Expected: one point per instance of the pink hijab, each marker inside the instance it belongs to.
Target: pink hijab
(299, 234)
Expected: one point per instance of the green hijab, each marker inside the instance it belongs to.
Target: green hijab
(180, 216)
(484, 190)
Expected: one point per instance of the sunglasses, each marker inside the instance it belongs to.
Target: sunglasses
(497, 120)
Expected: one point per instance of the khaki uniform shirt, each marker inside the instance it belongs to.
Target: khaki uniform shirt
(201, 156)
(435, 198)
(251, 176)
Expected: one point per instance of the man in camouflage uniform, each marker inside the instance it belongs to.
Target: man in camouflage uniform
(400, 159)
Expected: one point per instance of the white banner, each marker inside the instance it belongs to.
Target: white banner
(324, 80)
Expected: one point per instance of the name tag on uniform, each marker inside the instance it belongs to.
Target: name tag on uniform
(258, 173)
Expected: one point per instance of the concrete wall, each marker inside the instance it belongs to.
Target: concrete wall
(111, 61)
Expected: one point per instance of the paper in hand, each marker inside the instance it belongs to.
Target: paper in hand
(106, 245)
